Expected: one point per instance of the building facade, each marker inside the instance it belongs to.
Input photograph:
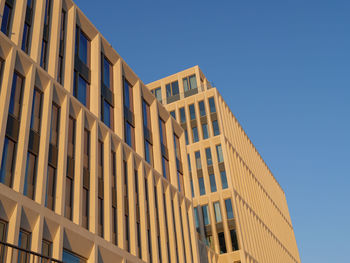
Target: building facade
(94, 168)
(240, 210)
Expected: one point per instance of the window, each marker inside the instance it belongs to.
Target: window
(81, 89)
(114, 199)
(201, 185)
(196, 218)
(147, 132)
(219, 153)
(86, 179)
(129, 116)
(107, 110)
(27, 28)
(70, 168)
(189, 162)
(205, 131)
(198, 160)
(216, 128)
(212, 105)
(16, 95)
(6, 19)
(172, 89)
(222, 242)
(189, 83)
(192, 112)
(208, 155)
(212, 183)
(35, 120)
(182, 115)
(30, 175)
(186, 136)
(229, 210)
(46, 248)
(8, 162)
(24, 243)
(234, 239)
(223, 180)
(69, 257)
(217, 211)
(55, 119)
(158, 94)
(3, 225)
(46, 35)
(60, 71)
(50, 187)
(201, 108)
(206, 217)
(195, 134)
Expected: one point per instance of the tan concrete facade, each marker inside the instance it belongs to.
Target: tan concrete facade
(68, 180)
(261, 218)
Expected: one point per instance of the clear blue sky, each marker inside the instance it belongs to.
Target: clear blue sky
(284, 69)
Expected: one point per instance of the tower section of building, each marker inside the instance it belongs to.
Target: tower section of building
(240, 210)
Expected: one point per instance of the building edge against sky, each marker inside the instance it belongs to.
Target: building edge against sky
(94, 169)
(225, 165)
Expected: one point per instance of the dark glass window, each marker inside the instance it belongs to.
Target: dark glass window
(30, 175)
(3, 225)
(86, 179)
(229, 210)
(83, 47)
(212, 183)
(165, 165)
(81, 89)
(186, 136)
(129, 109)
(172, 113)
(26, 37)
(196, 218)
(35, 120)
(46, 249)
(107, 73)
(46, 34)
(172, 89)
(128, 96)
(201, 185)
(205, 131)
(147, 132)
(182, 115)
(107, 111)
(222, 242)
(60, 73)
(8, 162)
(206, 218)
(195, 134)
(216, 128)
(129, 134)
(69, 257)
(234, 240)
(24, 243)
(50, 187)
(201, 108)
(192, 112)
(6, 19)
(16, 95)
(223, 180)
(212, 105)
(70, 168)
(55, 120)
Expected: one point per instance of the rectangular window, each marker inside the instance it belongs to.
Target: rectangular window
(206, 218)
(35, 120)
(205, 131)
(192, 112)
(186, 136)
(8, 161)
(182, 115)
(114, 199)
(55, 119)
(24, 243)
(223, 180)
(60, 70)
(201, 108)
(129, 114)
(27, 27)
(107, 110)
(198, 160)
(208, 155)
(172, 89)
(6, 19)
(147, 132)
(46, 248)
(195, 134)
(217, 211)
(212, 105)
(177, 152)
(212, 183)
(46, 35)
(51, 187)
(165, 164)
(81, 89)
(234, 240)
(219, 153)
(3, 225)
(196, 218)
(30, 175)
(229, 210)
(216, 129)
(172, 113)
(190, 83)
(222, 242)
(16, 95)
(71, 257)
(201, 185)
(86, 179)
(70, 168)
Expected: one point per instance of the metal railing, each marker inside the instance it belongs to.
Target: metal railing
(22, 255)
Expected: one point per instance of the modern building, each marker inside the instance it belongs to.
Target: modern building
(94, 168)
(240, 210)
